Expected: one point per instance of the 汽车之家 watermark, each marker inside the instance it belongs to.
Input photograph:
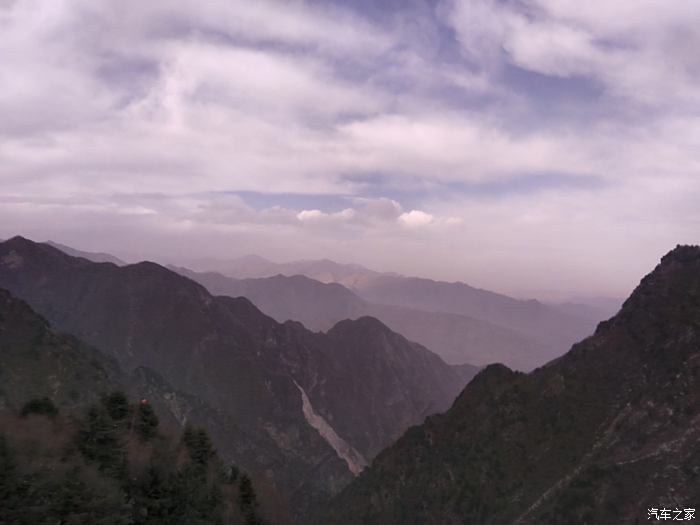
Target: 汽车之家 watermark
(671, 514)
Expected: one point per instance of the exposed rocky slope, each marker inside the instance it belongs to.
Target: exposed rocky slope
(366, 382)
(599, 436)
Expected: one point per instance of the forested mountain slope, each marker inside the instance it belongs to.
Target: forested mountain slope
(604, 433)
(263, 386)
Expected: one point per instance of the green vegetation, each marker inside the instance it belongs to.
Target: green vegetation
(247, 501)
(109, 464)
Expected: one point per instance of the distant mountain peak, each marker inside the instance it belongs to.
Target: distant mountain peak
(19, 242)
(18, 247)
(366, 322)
(683, 253)
(90, 256)
(612, 424)
(668, 281)
(494, 371)
(18, 239)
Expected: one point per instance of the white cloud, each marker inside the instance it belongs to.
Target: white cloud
(311, 215)
(416, 218)
(150, 116)
(642, 51)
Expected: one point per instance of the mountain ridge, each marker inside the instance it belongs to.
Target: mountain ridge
(456, 338)
(90, 256)
(239, 362)
(605, 432)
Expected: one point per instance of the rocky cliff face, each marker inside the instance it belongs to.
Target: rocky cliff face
(599, 436)
(248, 373)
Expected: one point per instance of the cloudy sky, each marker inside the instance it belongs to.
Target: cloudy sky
(531, 145)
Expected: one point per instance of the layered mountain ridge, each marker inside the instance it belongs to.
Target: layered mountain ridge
(600, 435)
(248, 373)
(456, 337)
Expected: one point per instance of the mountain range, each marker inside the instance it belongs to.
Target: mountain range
(466, 326)
(304, 411)
(604, 434)
(462, 324)
(352, 276)
(351, 425)
(358, 278)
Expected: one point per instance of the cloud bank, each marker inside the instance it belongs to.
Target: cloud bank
(537, 144)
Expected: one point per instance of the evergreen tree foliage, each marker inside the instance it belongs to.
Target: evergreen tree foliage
(109, 465)
(42, 405)
(146, 421)
(117, 405)
(100, 439)
(198, 445)
(9, 490)
(247, 500)
(232, 474)
(155, 495)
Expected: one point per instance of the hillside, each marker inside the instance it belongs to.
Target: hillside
(35, 361)
(604, 433)
(109, 463)
(73, 449)
(271, 389)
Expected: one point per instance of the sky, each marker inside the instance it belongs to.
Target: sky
(525, 146)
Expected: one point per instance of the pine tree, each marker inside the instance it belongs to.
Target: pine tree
(99, 440)
(10, 497)
(248, 501)
(204, 498)
(43, 406)
(198, 445)
(94, 480)
(232, 474)
(117, 405)
(155, 496)
(146, 421)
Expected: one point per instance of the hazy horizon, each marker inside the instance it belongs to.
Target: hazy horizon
(524, 147)
(203, 263)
